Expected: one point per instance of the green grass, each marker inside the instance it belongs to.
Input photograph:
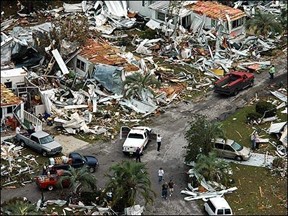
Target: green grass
(247, 199)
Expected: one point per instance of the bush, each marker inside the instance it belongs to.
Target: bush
(253, 116)
(266, 109)
(88, 197)
(148, 34)
(278, 162)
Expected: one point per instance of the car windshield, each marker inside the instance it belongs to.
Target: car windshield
(46, 139)
(237, 146)
(135, 136)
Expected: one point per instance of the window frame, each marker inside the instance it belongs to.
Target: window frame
(160, 13)
(9, 109)
(238, 23)
(81, 65)
(218, 145)
(211, 206)
(229, 148)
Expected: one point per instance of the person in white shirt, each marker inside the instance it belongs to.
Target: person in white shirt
(160, 174)
(18, 129)
(159, 139)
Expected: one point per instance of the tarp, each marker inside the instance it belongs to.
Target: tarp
(109, 77)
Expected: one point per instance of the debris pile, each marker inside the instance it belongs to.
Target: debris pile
(80, 74)
(16, 168)
(205, 190)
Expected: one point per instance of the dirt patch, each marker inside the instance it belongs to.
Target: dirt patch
(70, 143)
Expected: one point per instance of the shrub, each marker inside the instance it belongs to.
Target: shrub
(89, 197)
(266, 109)
(148, 34)
(278, 162)
(253, 116)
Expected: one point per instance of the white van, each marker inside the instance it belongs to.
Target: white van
(217, 206)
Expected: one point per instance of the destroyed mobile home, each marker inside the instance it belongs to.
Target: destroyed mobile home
(98, 69)
(82, 86)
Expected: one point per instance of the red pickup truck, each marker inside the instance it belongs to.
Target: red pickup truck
(233, 82)
(51, 181)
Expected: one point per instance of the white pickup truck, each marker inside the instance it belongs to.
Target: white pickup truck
(135, 137)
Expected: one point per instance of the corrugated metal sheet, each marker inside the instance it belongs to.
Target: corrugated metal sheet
(102, 52)
(215, 10)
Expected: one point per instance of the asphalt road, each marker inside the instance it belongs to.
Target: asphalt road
(171, 125)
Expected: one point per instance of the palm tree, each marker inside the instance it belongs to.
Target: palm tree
(79, 179)
(18, 206)
(128, 181)
(200, 135)
(212, 169)
(263, 24)
(136, 83)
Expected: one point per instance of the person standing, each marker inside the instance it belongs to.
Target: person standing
(159, 139)
(165, 190)
(272, 72)
(171, 187)
(160, 174)
(257, 140)
(138, 154)
(253, 141)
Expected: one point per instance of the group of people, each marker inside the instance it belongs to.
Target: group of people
(30, 130)
(166, 185)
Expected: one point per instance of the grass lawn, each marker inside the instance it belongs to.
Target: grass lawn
(259, 191)
(248, 199)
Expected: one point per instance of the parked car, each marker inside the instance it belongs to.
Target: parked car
(41, 142)
(75, 160)
(50, 181)
(135, 137)
(233, 82)
(230, 149)
(217, 206)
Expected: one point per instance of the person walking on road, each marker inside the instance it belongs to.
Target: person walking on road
(159, 139)
(171, 187)
(160, 174)
(165, 190)
(138, 154)
(272, 72)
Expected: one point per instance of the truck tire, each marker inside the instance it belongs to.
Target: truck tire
(44, 153)
(22, 143)
(50, 187)
(236, 92)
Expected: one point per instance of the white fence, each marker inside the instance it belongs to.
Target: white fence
(34, 120)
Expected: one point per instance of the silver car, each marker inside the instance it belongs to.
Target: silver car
(231, 149)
